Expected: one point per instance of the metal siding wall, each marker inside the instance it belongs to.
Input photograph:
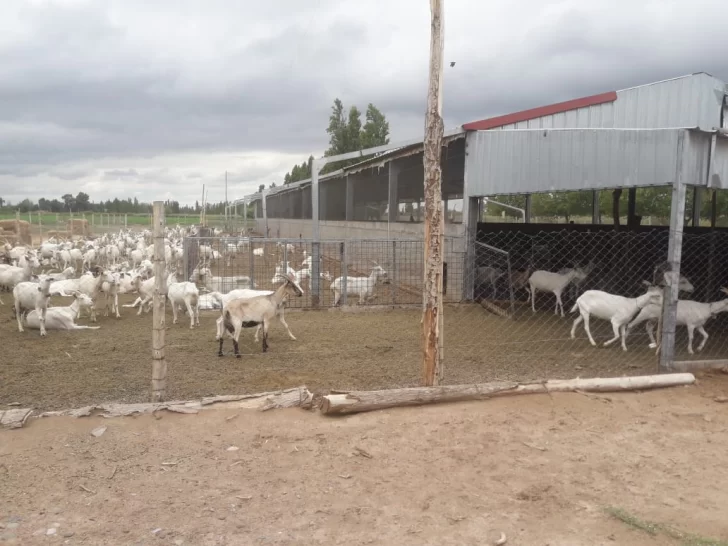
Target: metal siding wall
(720, 165)
(507, 162)
(692, 101)
(696, 155)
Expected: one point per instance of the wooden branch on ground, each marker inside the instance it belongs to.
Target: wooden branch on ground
(289, 398)
(495, 309)
(361, 401)
(14, 418)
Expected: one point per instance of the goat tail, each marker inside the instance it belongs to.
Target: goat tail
(227, 321)
(574, 308)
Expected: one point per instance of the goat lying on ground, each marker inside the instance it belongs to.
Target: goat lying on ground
(245, 313)
(616, 309)
(691, 314)
(63, 318)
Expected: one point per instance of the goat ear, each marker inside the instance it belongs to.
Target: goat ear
(724, 290)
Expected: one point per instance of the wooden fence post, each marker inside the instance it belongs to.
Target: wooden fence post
(434, 226)
(159, 363)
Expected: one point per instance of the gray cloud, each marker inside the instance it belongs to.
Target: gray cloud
(150, 99)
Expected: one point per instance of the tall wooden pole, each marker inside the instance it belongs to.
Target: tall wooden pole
(432, 370)
(159, 363)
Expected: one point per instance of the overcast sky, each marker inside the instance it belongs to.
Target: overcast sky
(152, 98)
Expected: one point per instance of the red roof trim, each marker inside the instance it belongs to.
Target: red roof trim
(541, 111)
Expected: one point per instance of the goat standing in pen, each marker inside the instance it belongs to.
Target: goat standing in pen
(619, 310)
(249, 312)
(547, 281)
(691, 314)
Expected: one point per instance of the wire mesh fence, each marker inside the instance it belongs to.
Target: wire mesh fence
(351, 272)
(493, 329)
(522, 318)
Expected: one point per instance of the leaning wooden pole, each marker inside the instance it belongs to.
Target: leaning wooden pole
(159, 363)
(432, 370)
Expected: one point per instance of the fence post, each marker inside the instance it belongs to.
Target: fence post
(394, 273)
(40, 228)
(510, 285)
(315, 274)
(674, 255)
(125, 220)
(285, 257)
(344, 273)
(251, 258)
(17, 228)
(159, 364)
(432, 323)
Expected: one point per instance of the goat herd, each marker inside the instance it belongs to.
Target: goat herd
(622, 312)
(120, 263)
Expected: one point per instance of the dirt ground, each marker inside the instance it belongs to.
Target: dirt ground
(541, 469)
(372, 349)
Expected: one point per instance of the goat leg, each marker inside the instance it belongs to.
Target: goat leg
(236, 347)
(219, 352)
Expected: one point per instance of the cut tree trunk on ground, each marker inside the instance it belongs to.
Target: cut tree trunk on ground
(299, 397)
(360, 401)
(14, 418)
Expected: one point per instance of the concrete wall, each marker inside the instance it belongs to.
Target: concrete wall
(335, 229)
(341, 230)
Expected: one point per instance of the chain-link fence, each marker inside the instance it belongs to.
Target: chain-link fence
(524, 286)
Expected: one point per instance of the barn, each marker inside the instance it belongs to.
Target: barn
(623, 187)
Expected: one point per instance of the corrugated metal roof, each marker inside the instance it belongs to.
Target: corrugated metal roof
(694, 100)
(540, 112)
(534, 161)
(383, 159)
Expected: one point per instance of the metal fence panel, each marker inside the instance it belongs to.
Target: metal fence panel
(515, 338)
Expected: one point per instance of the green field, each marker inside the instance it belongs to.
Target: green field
(111, 219)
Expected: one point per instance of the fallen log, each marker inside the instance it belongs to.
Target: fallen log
(361, 401)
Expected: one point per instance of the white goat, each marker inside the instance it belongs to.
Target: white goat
(186, 293)
(362, 286)
(62, 318)
(691, 314)
(616, 309)
(248, 312)
(92, 284)
(32, 296)
(12, 275)
(547, 281)
(222, 299)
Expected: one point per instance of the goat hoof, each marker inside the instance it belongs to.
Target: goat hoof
(219, 354)
(238, 356)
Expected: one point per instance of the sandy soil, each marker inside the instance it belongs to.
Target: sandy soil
(542, 469)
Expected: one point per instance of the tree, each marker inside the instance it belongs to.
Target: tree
(376, 128)
(261, 188)
(69, 201)
(346, 134)
(82, 201)
(2, 202)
